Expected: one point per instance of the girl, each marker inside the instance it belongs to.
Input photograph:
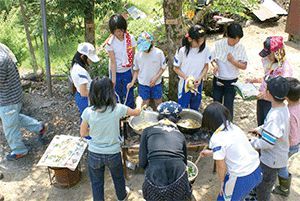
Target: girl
(121, 48)
(191, 63)
(149, 65)
(275, 64)
(163, 155)
(229, 57)
(85, 55)
(100, 122)
(236, 161)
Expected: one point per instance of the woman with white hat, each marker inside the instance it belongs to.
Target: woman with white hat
(85, 56)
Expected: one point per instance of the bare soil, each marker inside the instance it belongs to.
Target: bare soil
(24, 181)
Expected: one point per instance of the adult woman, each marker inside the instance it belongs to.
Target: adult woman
(236, 161)
(164, 158)
(85, 55)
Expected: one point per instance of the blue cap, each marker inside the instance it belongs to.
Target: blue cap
(169, 108)
(144, 41)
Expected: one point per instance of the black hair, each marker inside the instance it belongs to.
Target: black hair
(172, 118)
(214, 115)
(294, 92)
(80, 59)
(235, 30)
(102, 94)
(117, 21)
(195, 32)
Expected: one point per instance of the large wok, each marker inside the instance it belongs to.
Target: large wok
(145, 116)
(190, 114)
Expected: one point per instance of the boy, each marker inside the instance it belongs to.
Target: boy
(229, 57)
(149, 65)
(274, 142)
(293, 99)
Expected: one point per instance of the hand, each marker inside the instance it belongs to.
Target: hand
(153, 82)
(230, 58)
(114, 82)
(139, 102)
(197, 83)
(260, 96)
(254, 132)
(129, 85)
(249, 80)
(221, 189)
(215, 70)
(206, 153)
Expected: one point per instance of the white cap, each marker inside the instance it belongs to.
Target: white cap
(89, 50)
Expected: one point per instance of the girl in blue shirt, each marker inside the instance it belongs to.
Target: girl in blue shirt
(101, 122)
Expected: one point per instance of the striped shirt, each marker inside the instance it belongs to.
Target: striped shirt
(10, 84)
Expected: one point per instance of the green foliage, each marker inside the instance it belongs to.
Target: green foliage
(16, 42)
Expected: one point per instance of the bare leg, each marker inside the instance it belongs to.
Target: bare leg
(157, 102)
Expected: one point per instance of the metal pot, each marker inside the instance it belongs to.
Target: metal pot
(190, 114)
(145, 116)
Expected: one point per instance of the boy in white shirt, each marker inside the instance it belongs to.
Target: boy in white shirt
(274, 141)
(149, 65)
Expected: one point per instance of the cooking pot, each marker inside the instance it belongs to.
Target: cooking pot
(190, 114)
(145, 116)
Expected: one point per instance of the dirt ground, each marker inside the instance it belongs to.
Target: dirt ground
(23, 180)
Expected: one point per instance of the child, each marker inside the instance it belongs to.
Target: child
(191, 62)
(293, 99)
(149, 65)
(236, 161)
(274, 64)
(85, 55)
(100, 121)
(229, 57)
(274, 142)
(121, 48)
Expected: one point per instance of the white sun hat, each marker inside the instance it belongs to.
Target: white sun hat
(89, 50)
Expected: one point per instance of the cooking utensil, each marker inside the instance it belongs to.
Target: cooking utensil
(199, 157)
(146, 116)
(190, 114)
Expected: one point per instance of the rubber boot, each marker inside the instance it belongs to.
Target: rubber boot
(284, 186)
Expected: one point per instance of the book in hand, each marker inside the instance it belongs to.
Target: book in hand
(246, 90)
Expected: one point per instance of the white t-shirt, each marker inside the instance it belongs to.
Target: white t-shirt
(227, 71)
(149, 65)
(274, 143)
(233, 146)
(194, 62)
(119, 49)
(80, 76)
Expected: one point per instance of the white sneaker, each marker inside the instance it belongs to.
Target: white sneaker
(127, 193)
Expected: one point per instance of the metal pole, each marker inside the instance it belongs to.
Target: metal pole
(46, 45)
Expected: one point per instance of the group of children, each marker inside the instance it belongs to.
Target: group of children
(100, 112)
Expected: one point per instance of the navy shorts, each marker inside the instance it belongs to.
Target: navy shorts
(147, 92)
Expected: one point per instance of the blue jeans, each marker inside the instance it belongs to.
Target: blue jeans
(96, 167)
(122, 79)
(12, 122)
(284, 172)
(224, 92)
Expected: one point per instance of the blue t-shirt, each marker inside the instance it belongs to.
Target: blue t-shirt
(104, 129)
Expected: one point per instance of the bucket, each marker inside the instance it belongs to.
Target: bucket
(65, 178)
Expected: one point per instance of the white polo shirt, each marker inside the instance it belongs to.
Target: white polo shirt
(233, 146)
(149, 65)
(80, 76)
(119, 49)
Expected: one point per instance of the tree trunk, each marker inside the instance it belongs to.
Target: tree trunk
(26, 27)
(89, 23)
(174, 30)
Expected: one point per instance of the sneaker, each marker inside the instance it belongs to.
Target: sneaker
(13, 157)
(43, 130)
